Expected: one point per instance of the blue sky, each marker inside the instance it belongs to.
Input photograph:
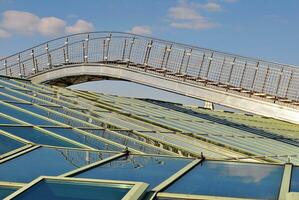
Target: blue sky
(258, 28)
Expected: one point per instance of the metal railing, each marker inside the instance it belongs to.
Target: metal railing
(250, 75)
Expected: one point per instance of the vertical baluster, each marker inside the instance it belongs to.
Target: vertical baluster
(20, 66)
(182, 62)
(87, 49)
(231, 71)
(164, 56)
(201, 65)
(188, 61)
(66, 56)
(23, 66)
(49, 57)
(209, 66)
(168, 55)
(243, 74)
(108, 46)
(221, 69)
(147, 53)
(33, 62)
(5, 66)
(104, 45)
(289, 84)
(265, 79)
(124, 50)
(83, 52)
(254, 76)
(278, 82)
(130, 52)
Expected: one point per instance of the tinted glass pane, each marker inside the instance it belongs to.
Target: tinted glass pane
(4, 120)
(62, 190)
(23, 116)
(231, 180)
(84, 139)
(148, 169)
(7, 144)
(5, 191)
(35, 136)
(295, 180)
(125, 141)
(46, 161)
(50, 114)
(15, 94)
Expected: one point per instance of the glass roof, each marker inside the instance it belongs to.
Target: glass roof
(71, 134)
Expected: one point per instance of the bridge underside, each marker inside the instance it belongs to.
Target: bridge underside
(78, 73)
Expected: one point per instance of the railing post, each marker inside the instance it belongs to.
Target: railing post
(130, 51)
(49, 56)
(5, 66)
(243, 74)
(188, 61)
(265, 79)
(201, 64)
(20, 66)
(209, 66)
(164, 55)
(83, 51)
(289, 83)
(124, 50)
(66, 53)
(168, 55)
(147, 52)
(278, 82)
(24, 72)
(254, 76)
(231, 70)
(33, 62)
(108, 45)
(221, 69)
(182, 62)
(86, 49)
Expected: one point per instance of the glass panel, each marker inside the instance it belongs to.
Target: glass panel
(46, 161)
(4, 120)
(84, 139)
(295, 180)
(125, 141)
(148, 169)
(70, 190)
(24, 116)
(2, 97)
(35, 136)
(243, 180)
(8, 144)
(5, 191)
(50, 114)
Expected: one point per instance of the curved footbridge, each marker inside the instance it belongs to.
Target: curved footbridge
(252, 85)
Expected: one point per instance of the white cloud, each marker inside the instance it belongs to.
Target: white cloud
(185, 15)
(141, 30)
(79, 27)
(211, 7)
(20, 22)
(26, 23)
(51, 26)
(183, 11)
(194, 25)
(4, 33)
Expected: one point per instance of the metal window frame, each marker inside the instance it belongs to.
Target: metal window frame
(134, 193)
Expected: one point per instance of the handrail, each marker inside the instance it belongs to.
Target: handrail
(237, 72)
